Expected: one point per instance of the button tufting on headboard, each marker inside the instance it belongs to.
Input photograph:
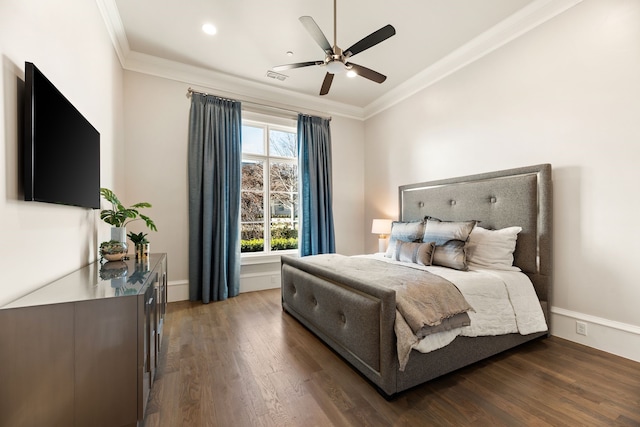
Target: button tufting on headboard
(492, 199)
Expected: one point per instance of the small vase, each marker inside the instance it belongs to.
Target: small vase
(142, 251)
(113, 250)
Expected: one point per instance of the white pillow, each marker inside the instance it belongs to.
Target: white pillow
(492, 248)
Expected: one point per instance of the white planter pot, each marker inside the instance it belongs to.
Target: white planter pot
(119, 234)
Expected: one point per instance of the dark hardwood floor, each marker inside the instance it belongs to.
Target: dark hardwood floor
(244, 362)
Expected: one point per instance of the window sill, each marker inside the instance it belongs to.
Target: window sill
(252, 259)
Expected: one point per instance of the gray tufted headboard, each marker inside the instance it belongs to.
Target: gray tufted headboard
(521, 196)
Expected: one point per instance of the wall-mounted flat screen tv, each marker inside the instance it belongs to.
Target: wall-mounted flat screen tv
(61, 148)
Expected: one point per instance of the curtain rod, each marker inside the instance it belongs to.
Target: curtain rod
(191, 91)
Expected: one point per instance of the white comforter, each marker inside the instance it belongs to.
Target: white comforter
(504, 302)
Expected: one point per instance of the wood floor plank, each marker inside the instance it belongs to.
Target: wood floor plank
(244, 362)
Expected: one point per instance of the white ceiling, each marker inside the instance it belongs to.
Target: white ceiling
(254, 35)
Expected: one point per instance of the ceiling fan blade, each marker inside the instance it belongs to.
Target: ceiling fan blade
(371, 40)
(316, 33)
(326, 84)
(368, 73)
(297, 65)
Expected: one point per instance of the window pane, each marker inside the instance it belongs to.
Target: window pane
(283, 176)
(282, 143)
(252, 139)
(282, 206)
(252, 206)
(284, 235)
(252, 175)
(269, 193)
(252, 237)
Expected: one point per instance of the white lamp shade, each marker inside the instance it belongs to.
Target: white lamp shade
(381, 226)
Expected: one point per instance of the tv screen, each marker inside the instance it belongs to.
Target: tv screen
(61, 148)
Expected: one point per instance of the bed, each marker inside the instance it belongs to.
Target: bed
(356, 317)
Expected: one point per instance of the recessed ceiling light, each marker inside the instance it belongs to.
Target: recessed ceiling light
(289, 53)
(209, 29)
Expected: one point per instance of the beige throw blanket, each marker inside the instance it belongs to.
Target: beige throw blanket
(423, 300)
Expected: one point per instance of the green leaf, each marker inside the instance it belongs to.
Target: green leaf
(119, 215)
(141, 205)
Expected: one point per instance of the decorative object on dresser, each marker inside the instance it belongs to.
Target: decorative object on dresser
(381, 227)
(141, 243)
(83, 352)
(113, 250)
(119, 216)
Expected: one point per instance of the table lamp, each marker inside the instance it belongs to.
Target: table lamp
(381, 227)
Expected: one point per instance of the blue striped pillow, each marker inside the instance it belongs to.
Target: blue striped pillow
(443, 231)
(407, 231)
(450, 238)
(414, 252)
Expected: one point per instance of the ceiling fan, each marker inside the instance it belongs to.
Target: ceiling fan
(337, 60)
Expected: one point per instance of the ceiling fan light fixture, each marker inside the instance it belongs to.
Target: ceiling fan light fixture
(351, 73)
(336, 67)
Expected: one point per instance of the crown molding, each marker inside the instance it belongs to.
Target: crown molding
(521, 22)
(526, 19)
(234, 87)
(115, 27)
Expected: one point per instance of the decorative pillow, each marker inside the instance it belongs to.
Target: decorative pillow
(415, 252)
(450, 238)
(443, 231)
(407, 231)
(452, 254)
(493, 248)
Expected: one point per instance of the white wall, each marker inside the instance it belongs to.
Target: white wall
(156, 130)
(68, 42)
(567, 93)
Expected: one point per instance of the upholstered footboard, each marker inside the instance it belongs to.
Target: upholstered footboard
(355, 319)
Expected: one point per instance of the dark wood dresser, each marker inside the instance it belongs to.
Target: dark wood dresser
(82, 351)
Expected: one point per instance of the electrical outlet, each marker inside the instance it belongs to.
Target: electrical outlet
(581, 328)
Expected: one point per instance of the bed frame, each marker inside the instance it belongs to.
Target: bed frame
(356, 319)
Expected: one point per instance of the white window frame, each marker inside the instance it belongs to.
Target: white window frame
(268, 123)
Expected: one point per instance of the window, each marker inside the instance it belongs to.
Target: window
(269, 194)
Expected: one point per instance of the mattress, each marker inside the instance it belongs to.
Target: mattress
(503, 302)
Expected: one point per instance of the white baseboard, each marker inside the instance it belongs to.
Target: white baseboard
(617, 338)
(251, 282)
(178, 290)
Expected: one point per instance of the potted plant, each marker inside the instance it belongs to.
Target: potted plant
(141, 243)
(119, 215)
